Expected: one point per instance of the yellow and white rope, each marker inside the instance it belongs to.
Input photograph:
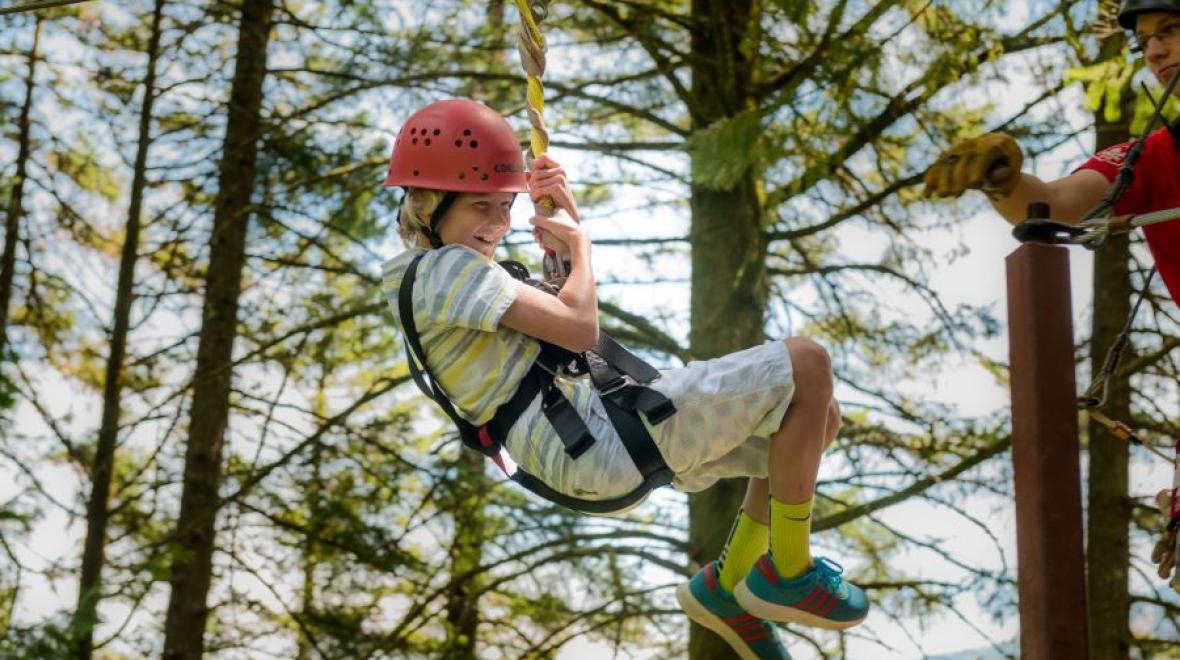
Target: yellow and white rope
(530, 43)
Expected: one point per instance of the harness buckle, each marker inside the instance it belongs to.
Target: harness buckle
(661, 411)
(566, 422)
(613, 385)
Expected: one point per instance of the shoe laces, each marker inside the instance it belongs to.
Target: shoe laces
(829, 573)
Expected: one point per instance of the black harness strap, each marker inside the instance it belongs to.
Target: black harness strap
(621, 399)
(614, 355)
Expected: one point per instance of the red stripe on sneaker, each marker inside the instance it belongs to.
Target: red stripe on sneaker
(830, 602)
(767, 570)
(746, 627)
(732, 620)
(812, 598)
(755, 637)
(711, 576)
(831, 606)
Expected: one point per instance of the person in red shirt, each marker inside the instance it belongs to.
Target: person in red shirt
(991, 163)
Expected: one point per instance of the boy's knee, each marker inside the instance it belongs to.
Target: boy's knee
(811, 362)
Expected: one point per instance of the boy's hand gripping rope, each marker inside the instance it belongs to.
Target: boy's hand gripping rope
(531, 45)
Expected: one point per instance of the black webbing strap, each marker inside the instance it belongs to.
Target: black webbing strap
(444, 205)
(643, 452)
(613, 505)
(624, 360)
(620, 404)
(570, 427)
(637, 441)
(415, 353)
(651, 403)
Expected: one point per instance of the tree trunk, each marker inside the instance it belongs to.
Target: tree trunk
(468, 503)
(1108, 505)
(729, 279)
(97, 513)
(15, 208)
(191, 570)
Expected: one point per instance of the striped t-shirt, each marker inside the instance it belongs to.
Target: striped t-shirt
(459, 296)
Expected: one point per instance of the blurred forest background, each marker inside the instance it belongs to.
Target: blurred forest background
(209, 443)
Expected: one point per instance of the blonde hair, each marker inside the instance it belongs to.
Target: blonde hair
(413, 223)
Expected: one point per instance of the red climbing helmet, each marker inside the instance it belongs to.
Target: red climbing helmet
(1129, 10)
(457, 145)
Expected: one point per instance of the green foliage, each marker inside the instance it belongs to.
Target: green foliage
(723, 152)
(1145, 107)
(36, 642)
(1104, 83)
(80, 163)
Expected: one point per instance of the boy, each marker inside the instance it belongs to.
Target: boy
(766, 413)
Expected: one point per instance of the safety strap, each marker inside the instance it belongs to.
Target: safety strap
(557, 409)
(621, 405)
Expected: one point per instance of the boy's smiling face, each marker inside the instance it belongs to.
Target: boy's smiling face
(477, 220)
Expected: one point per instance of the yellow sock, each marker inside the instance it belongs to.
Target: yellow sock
(747, 542)
(790, 537)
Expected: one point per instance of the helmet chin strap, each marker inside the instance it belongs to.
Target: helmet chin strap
(444, 205)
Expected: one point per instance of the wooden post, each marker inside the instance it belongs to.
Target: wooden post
(1051, 571)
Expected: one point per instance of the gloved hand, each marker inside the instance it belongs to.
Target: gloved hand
(990, 163)
(1164, 552)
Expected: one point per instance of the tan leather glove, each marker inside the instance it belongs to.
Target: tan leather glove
(990, 163)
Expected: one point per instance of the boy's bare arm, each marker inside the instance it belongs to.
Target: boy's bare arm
(570, 319)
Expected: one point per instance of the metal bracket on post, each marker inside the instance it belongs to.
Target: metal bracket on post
(1046, 470)
(1038, 228)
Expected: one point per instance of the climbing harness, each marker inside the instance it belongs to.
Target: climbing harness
(619, 377)
(530, 43)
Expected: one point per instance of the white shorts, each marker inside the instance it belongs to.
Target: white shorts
(726, 409)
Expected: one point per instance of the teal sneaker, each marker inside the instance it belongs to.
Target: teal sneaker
(705, 601)
(819, 597)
